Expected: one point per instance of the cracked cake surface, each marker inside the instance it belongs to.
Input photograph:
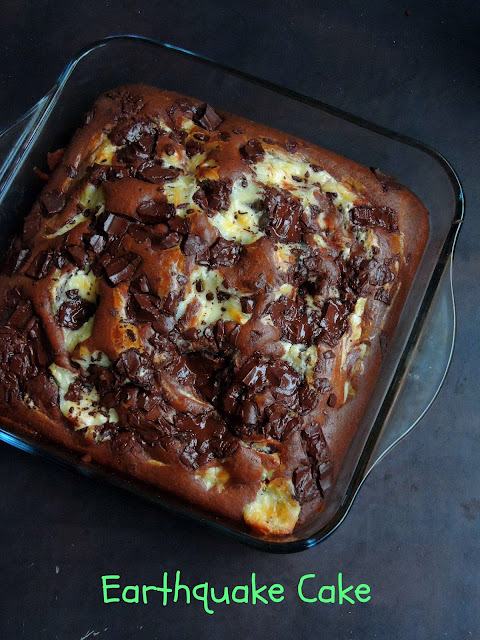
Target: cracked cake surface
(201, 303)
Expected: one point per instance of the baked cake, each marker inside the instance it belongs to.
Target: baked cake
(201, 303)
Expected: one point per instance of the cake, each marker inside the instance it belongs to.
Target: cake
(201, 303)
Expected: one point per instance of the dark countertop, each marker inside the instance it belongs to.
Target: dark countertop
(413, 532)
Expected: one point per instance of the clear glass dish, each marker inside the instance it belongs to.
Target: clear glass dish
(418, 356)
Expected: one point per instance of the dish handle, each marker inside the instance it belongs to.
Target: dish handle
(14, 140)
(425, 372)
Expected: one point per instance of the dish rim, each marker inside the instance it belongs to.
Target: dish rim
(35, 117)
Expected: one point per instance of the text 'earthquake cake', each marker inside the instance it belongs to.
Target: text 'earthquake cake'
(201, 303)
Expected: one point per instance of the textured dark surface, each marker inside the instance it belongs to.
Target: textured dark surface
(413, 532)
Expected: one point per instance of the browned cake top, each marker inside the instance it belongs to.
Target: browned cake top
(197, 291)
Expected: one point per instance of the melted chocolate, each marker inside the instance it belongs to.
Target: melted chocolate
(75, 311)
(252, 151)
(369, 216)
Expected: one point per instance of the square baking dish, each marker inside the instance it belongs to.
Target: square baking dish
(417, 357)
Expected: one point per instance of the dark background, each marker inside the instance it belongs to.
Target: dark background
(413, 533)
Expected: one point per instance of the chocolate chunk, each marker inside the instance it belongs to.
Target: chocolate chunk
(200, 199)
(354, 275)
(140, 284)
(224, 253)
(133, 153)
(304, 483)
(112, 224)
(16, 355)
(383, 295)
(157, 174)
(283, 379)
(148, 401)
(247, 304)
(136, 367)
(249, 412)
(97, 243)
(230, 397)
(52, 202)
(216, 195)
(9, 389)
(75, 391)
(78, 255)
(104, 381)
(334, 321)
(61, 259)
(179, 225)
(123, 443)
(252, 151)
(172, 301)
(75, 312)
(42, 391)
(99, 173)
(189, 456)
(253, 373)
(370, 216)
(128, 131)
(16, 258)
(294, 321)
(192, 148)
(193, 245)
(145, 308)
(204, 367)
(169, 241)
(380, 275)
(283, 215)
(12, 298)
(332, 400)
(153, 212)
(181, 109)
(122, 268)
(317, 452)
(40, 265)
(21, 315)
(131, 104)
(291, 146)
(281, 423)
(308, 398)
(164, 323)
(207, 118)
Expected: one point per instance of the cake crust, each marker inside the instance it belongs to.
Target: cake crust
(200, 302)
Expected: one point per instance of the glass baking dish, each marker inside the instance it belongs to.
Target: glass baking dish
(418, 356)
